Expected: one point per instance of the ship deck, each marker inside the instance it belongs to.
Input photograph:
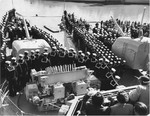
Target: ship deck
(123, 12)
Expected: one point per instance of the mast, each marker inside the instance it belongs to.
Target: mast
(120, 30)
(26, 29)
(141, 29)
(25, 25)
(143, 15)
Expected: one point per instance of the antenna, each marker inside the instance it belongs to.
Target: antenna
(141, 30)
(143, 15)
(64, 4)
(118, 27)
(26, 29)
(12, 3)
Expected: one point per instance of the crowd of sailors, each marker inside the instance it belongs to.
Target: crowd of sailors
(107, 31)
(100, 42)
(17, 71)
(93, 52)
(100, 38)
(58, 56)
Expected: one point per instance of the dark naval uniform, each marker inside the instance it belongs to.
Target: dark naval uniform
(19, 73)
(97, 71)
(70, 58)
(24, 69)
(11, 78)
(37, 62)
(32, 60)
(80, 61)
(45, 61)
(61, 58)
(87, 60)
(28, 62)
(93, 62)
(105, 79)
(53, 58)
(96, 29)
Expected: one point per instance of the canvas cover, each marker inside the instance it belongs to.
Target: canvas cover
(135, 52)
(19, 46)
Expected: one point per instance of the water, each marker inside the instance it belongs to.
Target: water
(53, 10)
(50, 12)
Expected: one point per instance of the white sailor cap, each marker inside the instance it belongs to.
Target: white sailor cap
(94, 54)
(54, 48)
(32, 51)
(88, 53)
(82, 54)
(45, 54)
(45, 49)
(71, 49)
(26, 52)
(13, 58)
(21, 55)
(7, 62)
(117, 77)
(37, 50)
(79, 52)
(113, 70)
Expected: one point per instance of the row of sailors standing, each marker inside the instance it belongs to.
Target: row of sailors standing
(84, 39)
(39, 61)
(103, 54)
(94, 45)
(17, 71)
(3, 24)
(90, 60)
(107, 35)
(130, 28)
(134, 28)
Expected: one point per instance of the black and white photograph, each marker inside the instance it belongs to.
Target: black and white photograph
(74, 57)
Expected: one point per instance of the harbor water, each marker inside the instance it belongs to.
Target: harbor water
(49, 13)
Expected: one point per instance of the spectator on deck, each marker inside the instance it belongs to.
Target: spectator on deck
(93, 104)
(140, 109)
(122, 107)
(141, 93)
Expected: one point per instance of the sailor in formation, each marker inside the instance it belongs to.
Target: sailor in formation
(53, 56)
(11, 78)
(45, 62)
(96, 28)
(28, 62)
(24, 70)
(37, 60)
(71, 56)
(61, 56)
(32, 59)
